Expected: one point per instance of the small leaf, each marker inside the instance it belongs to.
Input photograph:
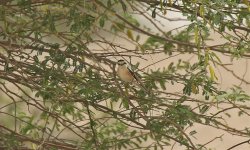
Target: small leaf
(192, 133)
(204, 109)
(212, 73)
(228, 115)
(132, 114)
(124, 7)
(36, 59)
(125, 103)
(130, 34)
(155, 147)
(137, 38)
(213, 54)
(240, 113)
(206, 57)
(109, 3)
(170, 2)
(162, 84)
(170, 66)
(154, 13)
(102, 21)
(195, 89)
(202, 10)
(161, 4)
(196, 35)
(133, 133)
(138, 140)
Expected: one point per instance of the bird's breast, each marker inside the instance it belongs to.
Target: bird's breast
(125, 75)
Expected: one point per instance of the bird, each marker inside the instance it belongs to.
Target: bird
(125, 73)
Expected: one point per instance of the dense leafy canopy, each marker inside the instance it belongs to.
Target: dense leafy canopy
(60, 90)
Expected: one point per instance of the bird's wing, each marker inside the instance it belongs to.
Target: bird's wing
(134, 74)
(138, 79)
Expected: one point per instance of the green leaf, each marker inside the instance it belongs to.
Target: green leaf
(212, 54)
(130, 34)
(162, 84)
(124, 7)
(155, 147)
(137, 38)
(133, 133)
(212, 73)
(195, 89)
(202, 10)
(196, 35)
(192, 132)
(161, 4)
(102, 21)
(154, 13)
(109, 4)
(204, 109)
(125, 103)
(170, 2)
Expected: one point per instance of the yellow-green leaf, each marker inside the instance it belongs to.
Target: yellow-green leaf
(130, 34)
(202, 10)
(247, 3)
(212, 73)
(214, 55)
(170, 2)
(141, 48)
(125, 103)
(206, 57)
(195, 89)
(161, 3)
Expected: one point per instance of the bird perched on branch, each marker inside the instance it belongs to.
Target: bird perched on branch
(126, 74)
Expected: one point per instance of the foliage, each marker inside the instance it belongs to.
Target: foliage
(58, 62)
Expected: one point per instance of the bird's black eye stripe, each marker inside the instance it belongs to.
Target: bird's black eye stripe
(121, 62)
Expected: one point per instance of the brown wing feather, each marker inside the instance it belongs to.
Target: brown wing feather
(137, 79)
(133, 74)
